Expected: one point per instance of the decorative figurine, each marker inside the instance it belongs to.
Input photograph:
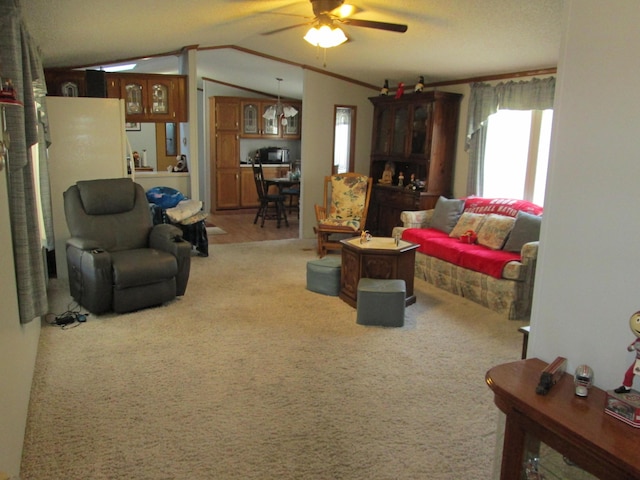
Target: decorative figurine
(583, 379)
(8, 92)
(387, 175)
(385, 89)
(400, 90)
(400, 179)
(365, 237)
(634, 369)
(420, 85)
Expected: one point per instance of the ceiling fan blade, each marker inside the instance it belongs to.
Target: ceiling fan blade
(390, 27)
(278, 30)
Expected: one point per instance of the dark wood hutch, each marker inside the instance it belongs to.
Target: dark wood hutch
(418, 133)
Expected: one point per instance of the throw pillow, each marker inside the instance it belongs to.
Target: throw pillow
(525, 230)
(446, 214)
(467, 221)
(494, 230)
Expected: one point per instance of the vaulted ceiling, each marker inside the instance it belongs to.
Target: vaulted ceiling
(445, 40)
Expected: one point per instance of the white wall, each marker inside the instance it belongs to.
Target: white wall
(145, 139)
(586, 285)
(321, 93)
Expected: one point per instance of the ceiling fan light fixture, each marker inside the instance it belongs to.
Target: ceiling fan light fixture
(325, 36)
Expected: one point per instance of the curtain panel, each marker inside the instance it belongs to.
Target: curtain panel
(485, 100)
(20, 62)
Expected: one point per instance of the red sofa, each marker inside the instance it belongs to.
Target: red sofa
(497, 269)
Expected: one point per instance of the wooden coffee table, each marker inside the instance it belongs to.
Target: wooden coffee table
(378, 258)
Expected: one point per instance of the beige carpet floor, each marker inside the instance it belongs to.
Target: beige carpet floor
(251, 376)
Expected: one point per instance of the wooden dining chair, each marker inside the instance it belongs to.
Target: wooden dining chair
(346, 203)
(271, 204)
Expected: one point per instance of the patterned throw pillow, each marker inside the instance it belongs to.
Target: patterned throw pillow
(467, 221)
(494, 231)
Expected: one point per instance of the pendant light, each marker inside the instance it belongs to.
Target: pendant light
(279, 110)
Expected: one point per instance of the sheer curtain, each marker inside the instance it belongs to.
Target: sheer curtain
(20, 62)
(485, 100)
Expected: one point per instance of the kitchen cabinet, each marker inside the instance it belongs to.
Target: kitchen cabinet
(233, 119)
(417, 133)
(150, 97)
(66, 83)
(254, 125)
(226, 149)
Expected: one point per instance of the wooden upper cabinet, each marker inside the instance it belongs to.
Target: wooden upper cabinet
(255, 125)
(150, 97)
(66, 83)
(227, 112)
(417, 133)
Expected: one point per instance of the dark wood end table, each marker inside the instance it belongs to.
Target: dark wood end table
(378, 258)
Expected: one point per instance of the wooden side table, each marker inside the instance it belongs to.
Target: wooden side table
(576, 427)
(378, 258)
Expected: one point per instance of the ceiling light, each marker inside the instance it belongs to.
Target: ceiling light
(325, 36)
(279, 110)
(344, 10)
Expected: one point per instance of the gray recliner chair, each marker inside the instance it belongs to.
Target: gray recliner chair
(117, 259)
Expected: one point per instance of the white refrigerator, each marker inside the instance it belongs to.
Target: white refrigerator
(88, 141)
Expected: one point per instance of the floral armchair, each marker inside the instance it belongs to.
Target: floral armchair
(346, 202)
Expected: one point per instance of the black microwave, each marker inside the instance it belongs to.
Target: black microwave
(273, 155)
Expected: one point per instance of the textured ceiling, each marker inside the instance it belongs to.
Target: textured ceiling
(446, 39)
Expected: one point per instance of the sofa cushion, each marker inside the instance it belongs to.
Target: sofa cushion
(467, 221)
(526, 229)
(446, 214)
(474, 257)
(494, 231)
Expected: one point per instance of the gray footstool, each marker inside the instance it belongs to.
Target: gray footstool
(323, 275)
(381, 302)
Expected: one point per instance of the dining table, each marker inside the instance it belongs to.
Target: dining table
(282, 183)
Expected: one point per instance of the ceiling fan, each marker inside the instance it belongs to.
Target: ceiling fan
(329, 15)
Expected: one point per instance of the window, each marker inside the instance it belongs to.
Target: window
(516, 154)
(344, 139)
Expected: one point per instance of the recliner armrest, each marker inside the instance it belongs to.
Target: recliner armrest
(164, 237)
(168, 238)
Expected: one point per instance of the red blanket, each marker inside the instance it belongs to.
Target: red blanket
(474, 257)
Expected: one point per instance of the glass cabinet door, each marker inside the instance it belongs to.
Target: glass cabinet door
(70, 89)
(159, 99)
(420, 143)
(269, 124)
(383, 130)
(400, 130)
(133, 99)
(250, 119)
(292, 126)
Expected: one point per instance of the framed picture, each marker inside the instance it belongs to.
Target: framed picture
(132, 126)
